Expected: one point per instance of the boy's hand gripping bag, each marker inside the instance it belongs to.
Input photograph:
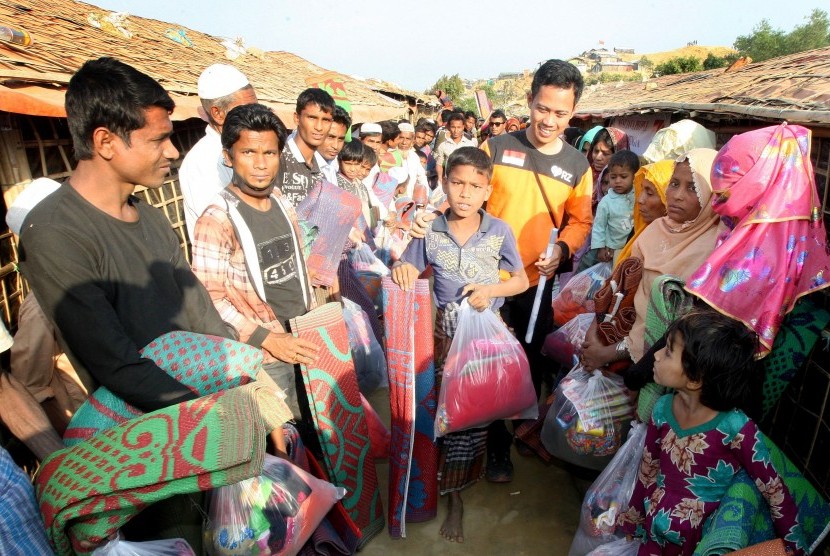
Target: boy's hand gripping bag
(486, 375)
(565, 343)
(610, 495)
(166, 547)
(577, 296)
(274, 513)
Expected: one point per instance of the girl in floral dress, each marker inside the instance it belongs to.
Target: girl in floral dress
(698, 440)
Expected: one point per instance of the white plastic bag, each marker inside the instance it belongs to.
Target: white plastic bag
(565, 343)
(369, 359)
(369, 270)
(486, 375)
(274, 513)
(577, 296)
(601, 401)
(165, 547)
(609, 495)
(565, 436)
(619, 547)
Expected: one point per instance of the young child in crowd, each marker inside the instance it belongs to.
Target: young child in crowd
(615, 213)
(698, 439)
(351, 173)
(466, 249)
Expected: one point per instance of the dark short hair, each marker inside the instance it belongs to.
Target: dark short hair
(470, 114)
(498, 114)
(719, 352)
(421, 154)
(352, 152)
(470, 156)
(340, 116)
(315, 96)
(432, 127)
(251, 117)
(558, 73)
(370, 157)
(454, 117)
(108, 93)
(389, 130)
(626, 159)
(445, 114)
(420, 128)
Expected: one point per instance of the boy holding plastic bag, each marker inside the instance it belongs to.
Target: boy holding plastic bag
(466, 249)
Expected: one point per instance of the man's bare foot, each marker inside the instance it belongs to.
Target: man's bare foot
(451, 528)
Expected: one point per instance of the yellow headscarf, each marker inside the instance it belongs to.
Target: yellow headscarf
(658, 174)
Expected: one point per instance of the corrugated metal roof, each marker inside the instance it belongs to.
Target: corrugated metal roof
(64, 38)
(795, 88)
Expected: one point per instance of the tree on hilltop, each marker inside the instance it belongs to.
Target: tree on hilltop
(765, 42)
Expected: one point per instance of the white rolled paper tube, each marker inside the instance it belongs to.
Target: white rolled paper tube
(531, 325)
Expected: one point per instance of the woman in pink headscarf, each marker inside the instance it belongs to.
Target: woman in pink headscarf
(775, 250)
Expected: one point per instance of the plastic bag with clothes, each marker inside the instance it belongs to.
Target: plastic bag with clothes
(367, 354)
(619, 547)
(273, 513)
(577, 296)
(369, 270)
(486, 375)
(565, 343)
(165, 547)
(609, 495)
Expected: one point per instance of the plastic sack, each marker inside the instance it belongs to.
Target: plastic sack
(619, 547)
(369, 359)
(166, 547)
(274, 513)
(565, 343)
(369, 270)
(486, 375)
(577, 296)
(600, 401)
(609, 495)
(565, 436)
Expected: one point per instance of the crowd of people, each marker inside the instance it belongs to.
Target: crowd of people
(709, 253)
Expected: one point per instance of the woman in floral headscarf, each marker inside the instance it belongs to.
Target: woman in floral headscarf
(775, 250)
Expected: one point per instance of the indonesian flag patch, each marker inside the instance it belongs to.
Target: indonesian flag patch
(516, 158)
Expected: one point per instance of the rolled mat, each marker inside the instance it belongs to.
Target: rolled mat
(334, 212)
(334, 400)
(205, 364)
(413, 459)
(626, 276)
(87, 492)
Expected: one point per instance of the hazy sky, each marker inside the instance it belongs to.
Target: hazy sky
(414, 43)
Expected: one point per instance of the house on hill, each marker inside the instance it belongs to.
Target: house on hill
(34, 138)
(793, 88)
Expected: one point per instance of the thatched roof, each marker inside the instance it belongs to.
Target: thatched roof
(33, 79)
(795, 88)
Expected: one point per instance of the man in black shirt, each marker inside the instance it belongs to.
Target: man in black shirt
(106, 267)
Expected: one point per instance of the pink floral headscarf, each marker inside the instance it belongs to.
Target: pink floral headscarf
(775, 249)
